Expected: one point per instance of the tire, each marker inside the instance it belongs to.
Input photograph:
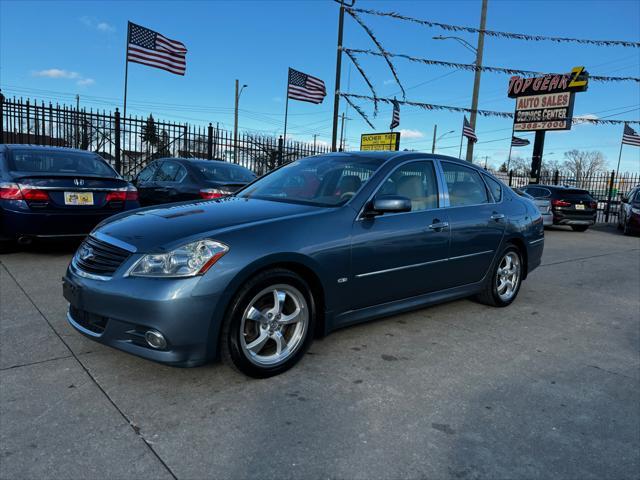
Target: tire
(254, 339)
(625, 229)
(579, 228)
(490, 294)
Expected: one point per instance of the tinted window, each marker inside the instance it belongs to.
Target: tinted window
(220, 172)
(573, 194)
(170, 172)
(495, 188)
(60, 162)
(417, 182)
(323, 181)
(464, 184)
(146, 174)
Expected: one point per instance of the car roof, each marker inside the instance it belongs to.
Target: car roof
(26, 146)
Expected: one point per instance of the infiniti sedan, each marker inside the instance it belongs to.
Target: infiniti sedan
(319, 244)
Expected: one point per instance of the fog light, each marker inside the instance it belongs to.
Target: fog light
(155, 339)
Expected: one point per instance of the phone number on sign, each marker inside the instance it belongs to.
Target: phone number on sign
(554, 125)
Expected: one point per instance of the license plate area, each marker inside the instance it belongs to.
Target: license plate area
(78, 198)
(579, 207)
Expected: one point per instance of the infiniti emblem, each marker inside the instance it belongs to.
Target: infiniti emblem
(78, 181)
(85, 253)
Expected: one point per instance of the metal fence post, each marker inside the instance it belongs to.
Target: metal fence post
(1, 117)
(510, 177)
(117, 142)
(609, 195)
(280, 151)
(556, 177)
(210, 142)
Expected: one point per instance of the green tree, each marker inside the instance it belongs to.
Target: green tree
(150, 132)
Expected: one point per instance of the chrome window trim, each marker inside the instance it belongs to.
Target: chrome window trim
(414, 265)
(361, 216)
(113, 241)
(474, 204)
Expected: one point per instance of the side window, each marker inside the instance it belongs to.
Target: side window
(167, 172)
(146, 174)
(417, 182)
(495, 188)
(465, 185)
(180, 174)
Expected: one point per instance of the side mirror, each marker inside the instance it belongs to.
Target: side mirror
(388, 204)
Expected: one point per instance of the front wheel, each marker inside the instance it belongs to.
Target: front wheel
(579, 228)
(269, 325)
(503, 285)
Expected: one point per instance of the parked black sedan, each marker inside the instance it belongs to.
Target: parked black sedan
(316, 245)
(57, 192)
(629, 216)
(570, 206)
(177, 179)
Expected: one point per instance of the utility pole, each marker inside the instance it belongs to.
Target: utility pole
(476, 81)
(336, 98)
(235, 124)
(433, 145)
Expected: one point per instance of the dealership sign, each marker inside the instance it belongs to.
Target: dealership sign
(546, 103)
(380, 141)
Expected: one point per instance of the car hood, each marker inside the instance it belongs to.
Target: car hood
(164, 228)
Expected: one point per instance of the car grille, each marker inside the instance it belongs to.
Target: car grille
(104, 258)
(90, 321)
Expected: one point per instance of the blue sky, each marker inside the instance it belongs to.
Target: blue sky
(55, 50)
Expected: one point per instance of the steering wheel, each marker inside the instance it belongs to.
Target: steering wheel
(347, 195)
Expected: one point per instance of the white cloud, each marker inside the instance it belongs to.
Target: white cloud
(56, 73)
(407, 133)
(60, 73)
(97, 25)
(588, 116)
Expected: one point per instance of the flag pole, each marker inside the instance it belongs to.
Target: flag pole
(620, 153)
(510, 148)
(461, 138)
(126, 72)
(286, 111)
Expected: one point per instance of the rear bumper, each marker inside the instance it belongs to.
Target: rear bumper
(561, 218)
(17, 222)
(118, 312)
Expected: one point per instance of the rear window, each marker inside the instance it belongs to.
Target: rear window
(58, 162)
(573, 193)
(219, 172)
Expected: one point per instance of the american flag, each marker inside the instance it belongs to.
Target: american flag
(630, 136)
(395, 116)
(519, 142)
(150, 48)
(305, 88)
(468, 132)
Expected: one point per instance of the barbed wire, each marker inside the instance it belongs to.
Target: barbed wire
(471, 67)
(494, 33)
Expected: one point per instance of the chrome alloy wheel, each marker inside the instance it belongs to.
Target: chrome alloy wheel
(508, 276)
(274, 325)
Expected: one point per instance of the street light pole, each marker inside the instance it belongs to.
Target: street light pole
(235, 121)
(436, 140)
(476, 81)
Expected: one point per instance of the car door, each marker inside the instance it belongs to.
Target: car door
(168, 181)
(477, 223)
(144, 183)
(399, 255)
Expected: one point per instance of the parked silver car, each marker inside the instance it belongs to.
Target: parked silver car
(543, 205)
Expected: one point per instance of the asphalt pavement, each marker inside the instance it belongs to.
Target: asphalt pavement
(546, 388)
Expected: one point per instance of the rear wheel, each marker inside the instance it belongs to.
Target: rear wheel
(269, 325)
(579, 228)
(502, 287)
(626, 229)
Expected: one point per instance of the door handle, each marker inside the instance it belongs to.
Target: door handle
(436, 225)
(497, 216)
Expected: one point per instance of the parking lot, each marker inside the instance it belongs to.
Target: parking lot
(547, 388)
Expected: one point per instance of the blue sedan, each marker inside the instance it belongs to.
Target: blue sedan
(316, 245)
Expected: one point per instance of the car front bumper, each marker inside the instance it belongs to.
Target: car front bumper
(118, 312)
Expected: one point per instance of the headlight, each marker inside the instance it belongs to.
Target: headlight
(187, 261)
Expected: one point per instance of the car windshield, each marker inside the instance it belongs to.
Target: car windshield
(220, 172)
(327, 181)
(58, 162)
